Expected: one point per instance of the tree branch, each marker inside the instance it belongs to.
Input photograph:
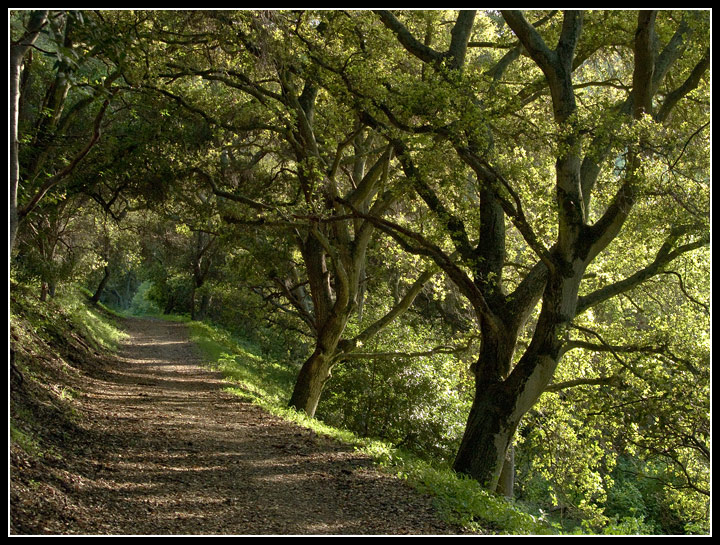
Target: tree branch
(415, 243)
(612, 380)
(691, 83)
(460, 37)
(418, 354)
(394, 312)
(409, 42)
(60, 176)
(664, 256)
(453, 225)
(556, 64)
(645, 57)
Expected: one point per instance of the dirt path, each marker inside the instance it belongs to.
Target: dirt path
(175, 454)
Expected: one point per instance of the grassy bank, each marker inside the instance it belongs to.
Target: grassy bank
(54, 347)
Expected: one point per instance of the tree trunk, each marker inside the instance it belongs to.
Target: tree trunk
(488, 433)
(315, 372)
(506, 484)
(332, 309)
(17, 55)
(310, 382)
(101, 287)
(495, 414)
(193, 314)
(489, 428)
(502, 400)
(202, 310)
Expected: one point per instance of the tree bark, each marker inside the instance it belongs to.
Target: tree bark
(18, 50)
(316, 370)
(489, 428)
(310, 382)
(101, 286)
(332, 310)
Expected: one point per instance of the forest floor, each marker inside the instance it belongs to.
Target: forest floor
(160, 448)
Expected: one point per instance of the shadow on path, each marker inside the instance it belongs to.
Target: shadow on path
(173, 453)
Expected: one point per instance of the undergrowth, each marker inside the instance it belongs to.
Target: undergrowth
(52, 344)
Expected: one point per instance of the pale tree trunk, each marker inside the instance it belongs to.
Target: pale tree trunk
(18, 50)
(57, 93)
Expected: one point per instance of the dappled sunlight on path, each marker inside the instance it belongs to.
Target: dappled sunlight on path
(174, 453)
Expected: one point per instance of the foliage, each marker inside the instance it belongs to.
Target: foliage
(257, 377)
(418, 403)
(470, 505)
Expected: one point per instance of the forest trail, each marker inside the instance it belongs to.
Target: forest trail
(173, 453)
